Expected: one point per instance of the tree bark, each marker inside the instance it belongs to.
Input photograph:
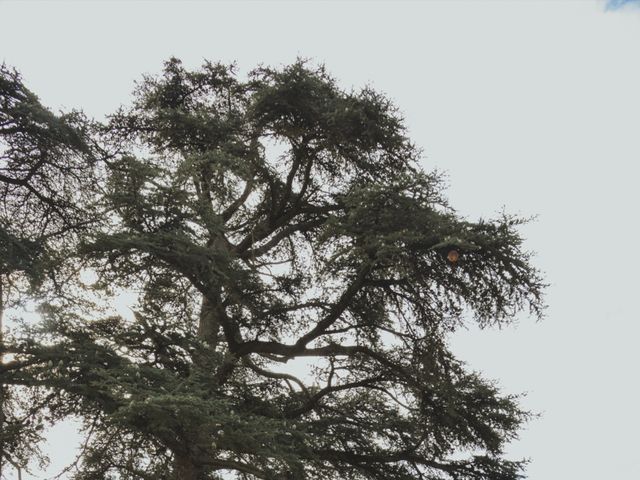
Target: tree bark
(186, 469)
(209, 324)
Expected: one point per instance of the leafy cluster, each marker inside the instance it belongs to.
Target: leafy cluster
(263, 222)
(46, 166)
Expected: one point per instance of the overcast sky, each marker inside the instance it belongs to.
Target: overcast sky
(533, 106)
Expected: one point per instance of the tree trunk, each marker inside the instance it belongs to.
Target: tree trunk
(186, 469)
(209, 325)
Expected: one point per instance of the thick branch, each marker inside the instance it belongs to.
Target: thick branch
(220, 464)
(339, 307)
(275, 375)
(333, 350)
(236, 204)
(281, 235)
(328, 390)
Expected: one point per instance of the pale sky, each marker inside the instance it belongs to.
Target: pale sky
(529, 105)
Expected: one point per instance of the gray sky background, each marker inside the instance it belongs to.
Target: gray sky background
(530, 105)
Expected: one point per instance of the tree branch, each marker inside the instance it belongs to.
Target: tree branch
(339, 307)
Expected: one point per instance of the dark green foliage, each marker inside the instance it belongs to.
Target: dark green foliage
(262, 221)
(46, 176)
(43, 161)
(46, 169)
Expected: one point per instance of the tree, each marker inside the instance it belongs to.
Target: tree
(45, 166)
(264, 221)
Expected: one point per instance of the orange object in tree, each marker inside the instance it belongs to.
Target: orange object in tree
(453, 256)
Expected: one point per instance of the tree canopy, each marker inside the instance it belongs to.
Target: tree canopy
(264, 222)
